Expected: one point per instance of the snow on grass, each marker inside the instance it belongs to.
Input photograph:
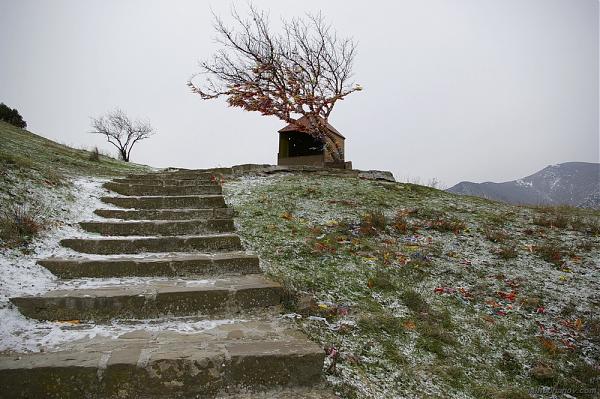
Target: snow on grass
(21, 275)
(64, 208)
(428, 313)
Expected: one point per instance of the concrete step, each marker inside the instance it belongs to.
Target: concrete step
(243, 356)
(150, 299)
(319, 391)
(166, 182)
(127, 245)
(139, 189)
(159, 227)
(166, 214)
(167, 202)
(181, 175)
(154, 266)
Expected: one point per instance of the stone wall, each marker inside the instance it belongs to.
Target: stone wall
(257, 169)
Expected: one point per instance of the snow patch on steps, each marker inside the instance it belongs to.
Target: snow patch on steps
(21, 275)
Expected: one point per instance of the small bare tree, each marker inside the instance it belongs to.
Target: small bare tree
(121, 131)
(302, 71)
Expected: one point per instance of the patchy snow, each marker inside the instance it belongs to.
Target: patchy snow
(21, 275)
(294, 225)
(20, 334)
(523, 183)
(131, 282)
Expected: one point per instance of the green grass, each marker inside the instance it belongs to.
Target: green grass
(36, 175)
(27, 152)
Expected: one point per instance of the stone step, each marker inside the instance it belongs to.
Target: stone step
(166, 214)
(320, 391)
(181, 175)
(154, 266)
(150, 299)
(243, 356)
(138, 189)
(166, 182)
(159, 227)
(167, 202)
(127, 245)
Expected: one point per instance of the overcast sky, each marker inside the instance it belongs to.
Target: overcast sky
(479, 90)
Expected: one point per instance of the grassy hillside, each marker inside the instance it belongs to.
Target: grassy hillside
(36, 177)
(421, 293)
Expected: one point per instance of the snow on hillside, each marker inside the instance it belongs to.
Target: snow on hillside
(415, 292)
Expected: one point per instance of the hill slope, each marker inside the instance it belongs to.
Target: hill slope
(420, 293)
(570, 183)
(37, 174)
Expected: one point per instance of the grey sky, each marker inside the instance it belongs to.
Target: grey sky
(455, 89)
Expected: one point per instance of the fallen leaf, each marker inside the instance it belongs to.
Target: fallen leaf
(70, 321)
(509, 296)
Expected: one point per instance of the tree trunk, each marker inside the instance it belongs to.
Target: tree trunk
(333, 148)
(123, 154)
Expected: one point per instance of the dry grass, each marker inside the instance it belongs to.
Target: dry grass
(94, 155)
(495, 235)
(550, 252)
(553, 221)
(507, 252)
(19, 224)
(373, 222)
(447, 225)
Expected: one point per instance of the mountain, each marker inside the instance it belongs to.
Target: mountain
(569, 183)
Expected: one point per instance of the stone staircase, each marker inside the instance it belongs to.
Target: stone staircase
(172, 249)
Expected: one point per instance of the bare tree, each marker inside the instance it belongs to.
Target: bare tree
(302, 71)
(121, 131)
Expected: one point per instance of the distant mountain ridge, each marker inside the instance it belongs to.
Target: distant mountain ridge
(569, 183)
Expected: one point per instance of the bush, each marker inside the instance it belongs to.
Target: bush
(550, 252)
(18, 225)
(556, 221)
(12, 116)
(373, 222)
(507, 252)
(448, 225)
(400, 223)
(495, 235)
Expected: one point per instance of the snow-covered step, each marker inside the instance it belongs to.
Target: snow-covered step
(137, 297)
(166, 182)
(147, 189)
(166, 214)
(152, 299)
(150, 266)
(167, 202)
(180, 175)
(136, 245)
(250, 357)
(158, 227)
